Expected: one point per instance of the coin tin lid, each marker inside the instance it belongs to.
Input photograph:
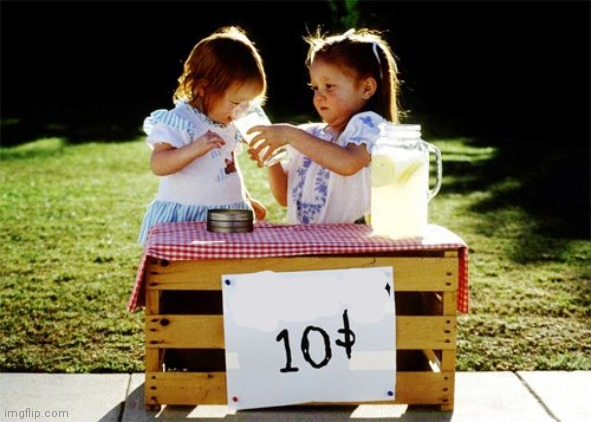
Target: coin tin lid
(223, 214)
(229, 221)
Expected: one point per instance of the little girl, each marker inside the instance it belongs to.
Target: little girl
(194, 147)
(327, 176)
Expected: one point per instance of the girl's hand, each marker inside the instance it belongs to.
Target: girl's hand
(254, 156)
(167, 159)
(206, 142)
(271, 136)
(259, 209)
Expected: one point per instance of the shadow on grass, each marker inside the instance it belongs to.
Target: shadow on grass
(101, 123)
(549, 181)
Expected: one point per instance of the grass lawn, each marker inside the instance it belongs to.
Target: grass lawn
(70, 214)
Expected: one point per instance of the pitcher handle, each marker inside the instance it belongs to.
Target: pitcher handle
(437, 152)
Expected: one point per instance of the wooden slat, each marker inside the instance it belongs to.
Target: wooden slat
(207, 332)
(153, 357)
(425, 387)
(185, 388)
(425, 332)
(185, 331)
(153, 301)
(194, 388)
(449, 301)
(448, 360)
(410, 273)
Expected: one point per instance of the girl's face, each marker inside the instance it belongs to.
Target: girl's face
(221, 107)
(337, 94)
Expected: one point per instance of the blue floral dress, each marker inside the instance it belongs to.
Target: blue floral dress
(317, 195)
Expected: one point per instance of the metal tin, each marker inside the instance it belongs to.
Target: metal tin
(230, 221)
(212, 227)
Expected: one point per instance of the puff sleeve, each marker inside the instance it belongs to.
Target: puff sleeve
(166, 126)
(362, 129)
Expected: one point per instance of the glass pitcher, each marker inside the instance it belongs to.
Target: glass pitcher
(400, 181)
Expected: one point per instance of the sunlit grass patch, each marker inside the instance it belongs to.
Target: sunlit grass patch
(38, 149)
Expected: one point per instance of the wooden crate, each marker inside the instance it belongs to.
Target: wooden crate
(426, 284)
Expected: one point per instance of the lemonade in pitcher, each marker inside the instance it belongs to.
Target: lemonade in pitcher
(400, 181)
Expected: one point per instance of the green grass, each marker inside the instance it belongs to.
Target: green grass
(70, 214)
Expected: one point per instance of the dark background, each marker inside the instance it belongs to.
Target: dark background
(513, 75)
(469, 68)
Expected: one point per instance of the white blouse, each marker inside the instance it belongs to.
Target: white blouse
(213, 179)
(317, 195)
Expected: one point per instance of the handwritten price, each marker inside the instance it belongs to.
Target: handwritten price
(347, 343)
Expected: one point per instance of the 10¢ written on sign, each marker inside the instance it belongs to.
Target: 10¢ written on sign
(310, 336)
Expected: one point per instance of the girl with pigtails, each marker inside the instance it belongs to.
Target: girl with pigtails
(326, 178)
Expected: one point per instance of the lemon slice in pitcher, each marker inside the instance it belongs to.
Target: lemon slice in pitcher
(382, 170)
(408, 172)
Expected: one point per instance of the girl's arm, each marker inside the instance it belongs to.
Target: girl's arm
(278, 183)
(167, 159)
(345, 161)
(260, 211)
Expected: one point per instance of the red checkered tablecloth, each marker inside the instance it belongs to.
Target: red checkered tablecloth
(192, 241)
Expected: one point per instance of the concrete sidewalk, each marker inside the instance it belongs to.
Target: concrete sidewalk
(480, 396)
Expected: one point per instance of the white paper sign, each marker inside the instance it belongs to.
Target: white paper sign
(311, 336)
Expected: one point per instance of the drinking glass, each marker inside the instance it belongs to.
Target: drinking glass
(252, 115)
